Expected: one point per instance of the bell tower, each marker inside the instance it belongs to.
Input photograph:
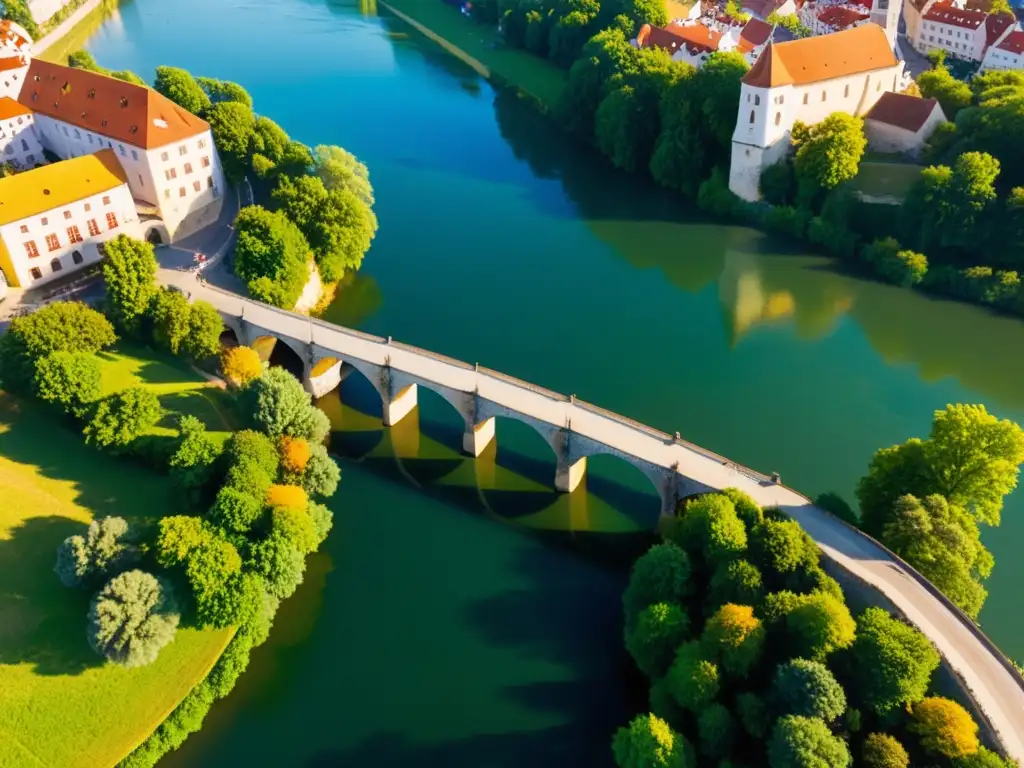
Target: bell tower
(886, 14)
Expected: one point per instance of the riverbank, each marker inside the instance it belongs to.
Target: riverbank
(72, 32)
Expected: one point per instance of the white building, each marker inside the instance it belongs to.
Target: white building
(824, 17)
(42, 10)
(964, 31)
(806, 80)
(56, 218)
(15, 54)
(899, 123)
(19, 143)
(762, 9)
(693, 41)
(1008, 53)
(167, 153)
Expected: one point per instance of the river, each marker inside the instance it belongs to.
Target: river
(463, 613)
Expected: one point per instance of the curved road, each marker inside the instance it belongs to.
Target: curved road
(997, 691)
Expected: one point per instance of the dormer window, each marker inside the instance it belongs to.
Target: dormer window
(133, 129)
(124, 102)
(66, 88)
(83, 115)
(92, 93)
(103, 123)
(37, 78)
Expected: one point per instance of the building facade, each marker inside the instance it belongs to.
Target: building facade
(963, 29)
(693, 41)
(1008, 53)
(55, 219)
(899, 123)
(15, 54)
(806, 80)
(19, 141)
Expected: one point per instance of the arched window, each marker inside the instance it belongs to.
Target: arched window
(757, 101)
(824, 95)
(24, 145)
(76, 256)
(805, 98)
(846, 91)
(751, 117)
(778, 118)
(55, 265)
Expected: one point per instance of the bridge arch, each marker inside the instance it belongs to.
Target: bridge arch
(627, 491)
(283, 352)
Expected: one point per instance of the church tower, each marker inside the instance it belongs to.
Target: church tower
(886, 14)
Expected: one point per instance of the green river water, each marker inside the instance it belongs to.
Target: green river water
(463, 613)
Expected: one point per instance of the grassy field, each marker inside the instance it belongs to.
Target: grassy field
(77, 35)
(60, 705)
(480, 46)
(886, 179)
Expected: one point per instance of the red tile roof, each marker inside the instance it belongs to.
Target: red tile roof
(754, 33)
(996, 24)
(696, 37)
(902, 111)
(822, 57)
(126, 112)
(14, 47)
(1014, 42)
(762, 8)
(838, 17)
(947, 13)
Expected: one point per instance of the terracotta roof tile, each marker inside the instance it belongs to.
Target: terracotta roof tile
(696, 37)
(996, 24)
(1014, 42)
(15, 47)
(903, 111)
(838, 17)
(822, 57)
(947, 13)
(10, 108)
(122, 111)
(755, 32)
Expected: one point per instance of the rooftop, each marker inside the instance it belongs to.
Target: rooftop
(1014, 42)
(696, 37)
(840, 17)
(10, 108)
(754, 33)
(996, 24)
(762, 8)
(15, 46)
(947, 13)
(902, 111)
(125, 112)
(822, 57)
(52, 186)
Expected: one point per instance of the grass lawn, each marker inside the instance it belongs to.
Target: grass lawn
(60, 705)
(886, 179)
(480, 43)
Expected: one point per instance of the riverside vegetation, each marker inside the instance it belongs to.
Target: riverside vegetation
(318, 201)
(755, 659)
(960, 232)
(249, 504)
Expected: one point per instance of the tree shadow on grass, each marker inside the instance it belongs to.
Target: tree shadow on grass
(42, 622)
(150, 371)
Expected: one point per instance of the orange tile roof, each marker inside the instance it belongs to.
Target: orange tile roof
(996, 24)
(822, 57)
(947, 13)
(754, 33)
(1014, 42)
(902, 111)
(839, 17)
(126, 112)
(695, 37)
(14, 47)
(10, 108)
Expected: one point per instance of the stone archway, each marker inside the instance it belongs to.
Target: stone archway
(156, 233)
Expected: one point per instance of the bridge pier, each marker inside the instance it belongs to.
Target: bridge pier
(477, 438)
(569, 475)
(397, 407)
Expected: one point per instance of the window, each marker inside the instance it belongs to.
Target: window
(182, 150)
(846, 92)
(88, 207)
(94, 228)
(67, 214)
(209, 184)
(778, 118)
(181, 192)
(878, 86)
(55, 265)
(77, 134)
(52, 242)
(142, 183)
(167, 194)
(121, 148)
(31, 158)
(202, 142)
(170, 173)
(135, 155)
(31, 250)
(824, 95)
(35, 273)
(751, 117)
(757, 101)
(24, 146)
(782, 99)
(74, 236)
(188, 168)
(163, 156)
(76, 257)
(106, 200)
(24, 229)
(89, 136)
(206, 162)
(111, 221)
(196, 186)
(44, 221)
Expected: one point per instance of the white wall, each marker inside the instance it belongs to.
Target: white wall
(120, 204)
(957, 41)
(996, 58)
(19, 144)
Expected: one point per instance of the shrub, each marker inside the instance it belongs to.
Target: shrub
(193, 463)
(177, 536)
(753, 715)
(805, 742)
(323, 520)
(787, 220)
(881, 750)
(295, 525)
(322, 475)
(287, 496)
(809, 689)
(661, 575)
(901, 659)
(132, 618)
(649, 742)
(122, 417)
(236, 510)
(692, 679)
(944, 727)
(735, 581)
(280, 563)
(735, 637)
(294, 453)
(777, 184)
(709, 525)
(652, 643)
(255, 447)
(782, 546)
(69, 380)
(900, 267)
(105, 550)
(714, 196)
(240, 365)
(821, 625)
(717, 731)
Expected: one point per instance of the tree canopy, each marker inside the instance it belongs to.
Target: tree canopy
(105, 550)
(805, 742)
(828, 153)
(120, 418)
(807, 688)
(271, 255)
(945, 728)
(69, 380)
(661, 575)
(649, 742)
(132, 618)
(129, 272)
(181, 87)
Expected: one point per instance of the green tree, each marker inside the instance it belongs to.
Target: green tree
(205, 327)
(224, 90)
(193, 463)
(782, 546)
(177, 536)
(901, 659)
(179, 86)
(805, 742)
(778, 183)
(271, 255)
(881, 750)
(280, 564)
(338, 225)
(321, 475)
(952, 94)
(649, 742)
(606, 54)
(128, 76)
(169, 313)
(753, 715)
(716, 728)
(338, 168)
(661, 575)
(789, 22)
(59, 327)
(122, 417)
(105, 550)
(809, 689)
(828, 153)
(250, 445)
(983, 758)
(941, 541)
(710, 526)
(132, 618)
(211, 563)
(734, 637)
(945, 728)
(575, 22)
(129, 271)
(898, 266)
(296, 526)
(233, 603)
(236, 510)
(735, 581)
(658, 631)
(323, 520)
(276, 403)
(820, 625)
(232, 125)
(69, 380)
(693, 680)
(641, 12)
(18, 12)
(268, 139)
